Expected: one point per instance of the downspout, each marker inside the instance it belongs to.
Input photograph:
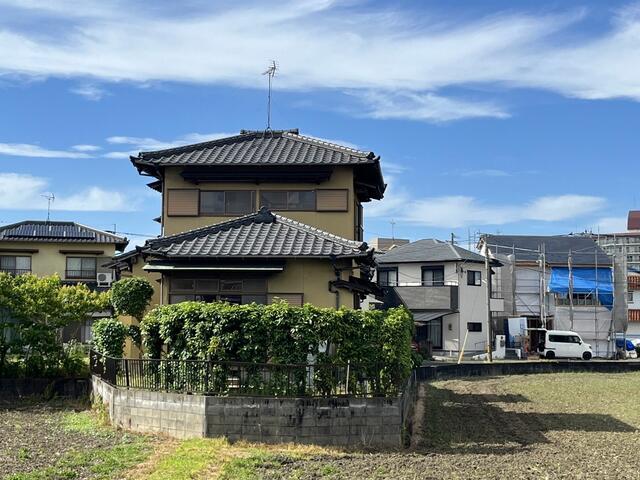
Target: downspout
(332, 288)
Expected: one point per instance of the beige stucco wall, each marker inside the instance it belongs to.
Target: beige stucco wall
(338, 223)
(131, 350)
(49, 261)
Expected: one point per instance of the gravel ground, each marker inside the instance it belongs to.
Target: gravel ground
(570, 426)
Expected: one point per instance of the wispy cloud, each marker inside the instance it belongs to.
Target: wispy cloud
(418, 54)
(86, 148)
(456, 211)
(142, 144)
(30, 150)
(25, 192)
(90, 91)
(425, 106)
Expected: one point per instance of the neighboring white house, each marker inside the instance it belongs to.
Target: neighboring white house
(444, 286)
(538, 274)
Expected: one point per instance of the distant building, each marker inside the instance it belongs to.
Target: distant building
(626, 247)
(443, 286)
(74, 252)
(381, 244)
(563, 282)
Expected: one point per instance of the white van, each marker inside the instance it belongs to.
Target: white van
(563, 344)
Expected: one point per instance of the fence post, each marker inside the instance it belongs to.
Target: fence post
(126, 371)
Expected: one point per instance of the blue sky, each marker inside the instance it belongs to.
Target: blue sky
(494, 116)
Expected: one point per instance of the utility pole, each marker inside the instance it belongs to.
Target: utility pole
(570, 265)
(489, 316)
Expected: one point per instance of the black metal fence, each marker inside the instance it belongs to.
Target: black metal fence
(238, 378)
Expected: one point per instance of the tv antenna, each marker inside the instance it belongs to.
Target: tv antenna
(270, 72)
(50, 199)
(393, 227)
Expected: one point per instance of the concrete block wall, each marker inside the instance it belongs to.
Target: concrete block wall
(340, 421)
(320, 421)
(174, 414)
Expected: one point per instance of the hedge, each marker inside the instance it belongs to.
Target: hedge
(377, 341)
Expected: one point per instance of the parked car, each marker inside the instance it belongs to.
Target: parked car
(564, 344)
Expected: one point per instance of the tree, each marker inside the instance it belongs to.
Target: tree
(109, 335)
(33, 311)
(131, 296)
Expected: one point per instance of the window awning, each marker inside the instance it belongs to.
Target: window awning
(208, 268)
(426, 316)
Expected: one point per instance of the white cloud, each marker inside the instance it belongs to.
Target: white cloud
(488, 172)
(146, 144)
(85, 148)
(328, 44)
(428, 106)
(456, 211)
(25, 192)
(89, 91)
(29, 150)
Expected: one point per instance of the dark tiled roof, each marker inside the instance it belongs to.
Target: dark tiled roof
(583, 249)
(633, 222)
(42, 231)
(260, 234)
(282, 147)
(428, 250)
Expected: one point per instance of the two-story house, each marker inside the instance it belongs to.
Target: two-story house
(444, 286)
(563, 282)
(260, 216)
(74, 252)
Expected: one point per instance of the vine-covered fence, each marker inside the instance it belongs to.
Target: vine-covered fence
(210, 377)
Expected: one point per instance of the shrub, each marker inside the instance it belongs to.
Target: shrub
(109, 335)
(377, 343)
(131, 296)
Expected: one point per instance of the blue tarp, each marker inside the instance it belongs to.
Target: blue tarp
(585, 280)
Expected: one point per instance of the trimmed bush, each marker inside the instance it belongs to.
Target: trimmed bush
(109, 335)
(131, 296)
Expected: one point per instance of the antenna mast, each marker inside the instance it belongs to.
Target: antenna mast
(270, 72)
(50, 199)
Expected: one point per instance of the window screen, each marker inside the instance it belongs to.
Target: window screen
(388, 278)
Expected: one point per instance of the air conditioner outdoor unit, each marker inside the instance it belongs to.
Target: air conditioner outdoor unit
(104, 279)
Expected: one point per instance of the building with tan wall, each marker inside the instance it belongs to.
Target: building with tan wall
(74, 252)
(260, 216)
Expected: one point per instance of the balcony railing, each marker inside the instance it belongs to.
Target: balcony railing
(420, 284)
(80, 274)
(15, 271)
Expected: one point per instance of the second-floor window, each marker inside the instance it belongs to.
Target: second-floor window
(288, 200)
(83, 268)
(388, 277)
(227, 202)
(15, 265)
(433, 276)
(474, 277)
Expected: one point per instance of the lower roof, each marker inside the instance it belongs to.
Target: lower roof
(258, 235)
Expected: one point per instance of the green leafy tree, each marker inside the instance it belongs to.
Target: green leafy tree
(131, 296)
(34, 310)
(109, 335)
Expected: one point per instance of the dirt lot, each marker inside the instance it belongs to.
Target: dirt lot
(51, 440)
(570, 426)
(527, 427)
